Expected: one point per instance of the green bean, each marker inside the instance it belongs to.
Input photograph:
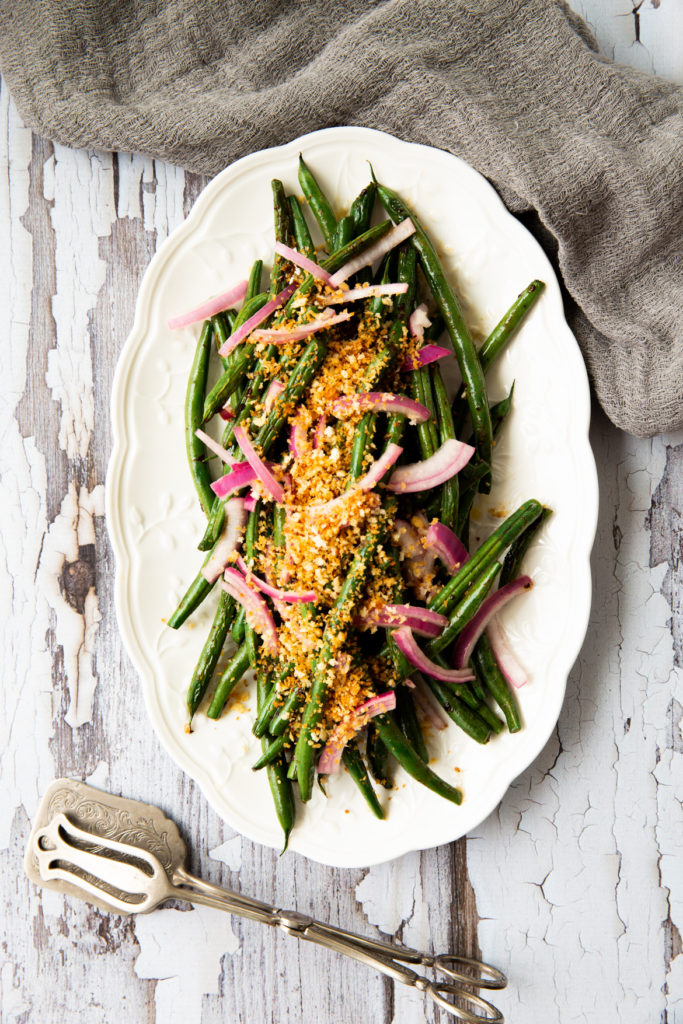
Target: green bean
(378, 758)
(510, 324)
(194, 398)
(229, 679)
(337, 619)
(465, 609)
(192, 598)
(239, 366)
(407, 719)
(450, 491)
(501, 410)
(211, 652)
(305, 370)
(501, 334)
(271, 752)
(283, 797)
(214, 525)
(284, 232)
(362, 440)
(361, 208)
(343, 234)
(486, 666)
(420, 389)
(302, 236)
(222, 329)
(353, 762)
(465, 352)
(377, 306)
(512, 565)
(238, 626)
(318, 201)
(486, 555)
(410, 760)
(254, 282)
(282, 718)
(267, 713)
(456, 709)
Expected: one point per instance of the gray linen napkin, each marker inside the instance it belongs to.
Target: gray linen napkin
(590, 153)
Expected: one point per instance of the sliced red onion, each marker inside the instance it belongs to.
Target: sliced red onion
(405, 641)
(427, 705)
(275, 389)
(447, 545)
(330, 759)
(422, 621)
(298, 258)
(375, 252)
(296, 440)
(250, 501)
(367, 292)
(262, 314)
(318, 432)
(380, 401)
(282, 337)
(427, 354)
(258, 615)
(288, 596)
(377, 470)
(239, 476)
(211, 307)
(226, 413)
(215, 447)
(263, 473)
(448, 460)
(476, 626)
(507, 662)
(230, 539)
(418, 321)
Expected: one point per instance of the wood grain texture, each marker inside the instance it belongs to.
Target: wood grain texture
(573, 885)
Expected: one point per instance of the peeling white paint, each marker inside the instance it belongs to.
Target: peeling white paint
(230, 853)
(75, 632)
(82, 213)
(183, 950)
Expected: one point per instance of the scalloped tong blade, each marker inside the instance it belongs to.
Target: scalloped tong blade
(128, 857)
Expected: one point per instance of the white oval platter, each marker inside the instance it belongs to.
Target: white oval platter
(155, 522)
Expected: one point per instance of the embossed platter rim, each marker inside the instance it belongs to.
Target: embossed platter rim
(544, 452)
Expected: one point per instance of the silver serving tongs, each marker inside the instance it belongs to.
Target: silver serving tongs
(127, 856)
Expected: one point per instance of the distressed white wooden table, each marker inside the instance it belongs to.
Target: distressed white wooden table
(573, 885)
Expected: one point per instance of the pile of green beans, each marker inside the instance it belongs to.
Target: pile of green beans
(289, 718)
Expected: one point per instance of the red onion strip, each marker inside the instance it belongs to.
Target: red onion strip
(239, 476)
(392, 238)
(377, 470)
(426, 355)
(476, 626)
(288, 596)
(405, 641)
(330, 759)
(448, 460)
(421, 620)
(211, 307)
(275, 389)
(380, 401)
(368, 292)
(258, 615)
(507, 662)
(298, 258)
(270, 484)
(230, 539)
(447, 545)
(427, 705)
(215, 447)
(282, 337)
(262, 314)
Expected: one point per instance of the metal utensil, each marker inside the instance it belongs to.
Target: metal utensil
(128, 857)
